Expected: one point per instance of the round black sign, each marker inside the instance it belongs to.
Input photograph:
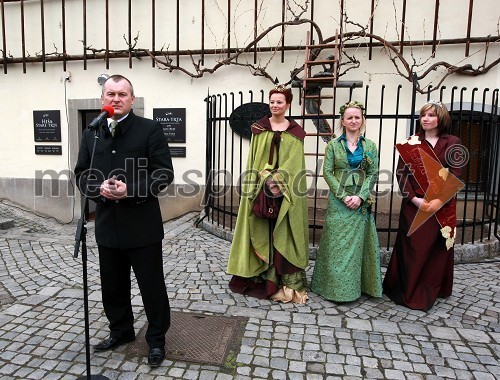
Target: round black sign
(245, 115)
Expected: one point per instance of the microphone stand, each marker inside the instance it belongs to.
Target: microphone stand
(81, 237)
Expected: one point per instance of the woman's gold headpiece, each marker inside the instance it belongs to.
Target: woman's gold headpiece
(280, 87)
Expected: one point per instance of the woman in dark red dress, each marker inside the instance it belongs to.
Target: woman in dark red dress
(421, 265)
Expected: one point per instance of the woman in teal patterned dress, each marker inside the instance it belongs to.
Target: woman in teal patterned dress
(348, 262)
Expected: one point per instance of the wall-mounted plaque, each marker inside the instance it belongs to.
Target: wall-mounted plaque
(47, 126)
(245, 115)
(173, 121)
(48, 149)
(177, 151)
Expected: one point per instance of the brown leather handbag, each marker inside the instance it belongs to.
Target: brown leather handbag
(266, 206)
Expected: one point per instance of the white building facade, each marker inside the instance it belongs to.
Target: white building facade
(177, 52)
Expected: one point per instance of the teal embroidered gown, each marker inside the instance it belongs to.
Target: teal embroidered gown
(348, 258)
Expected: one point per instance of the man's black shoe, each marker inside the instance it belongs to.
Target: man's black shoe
(156, 356)
(111, 343)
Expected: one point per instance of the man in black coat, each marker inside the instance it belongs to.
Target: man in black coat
(132, 165)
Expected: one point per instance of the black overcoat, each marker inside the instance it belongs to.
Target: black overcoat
(138, 155)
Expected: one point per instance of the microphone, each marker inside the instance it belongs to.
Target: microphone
(106, 111)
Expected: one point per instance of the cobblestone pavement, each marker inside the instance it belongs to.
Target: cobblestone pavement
(42, 328)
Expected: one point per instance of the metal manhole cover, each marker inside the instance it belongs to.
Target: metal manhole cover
(198, 338)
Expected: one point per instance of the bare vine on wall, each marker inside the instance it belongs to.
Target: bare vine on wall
(354, 46)
(406, 66)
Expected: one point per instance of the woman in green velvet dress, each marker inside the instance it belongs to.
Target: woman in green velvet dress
(347, 261)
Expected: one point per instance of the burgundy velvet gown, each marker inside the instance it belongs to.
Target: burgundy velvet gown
(421, 268)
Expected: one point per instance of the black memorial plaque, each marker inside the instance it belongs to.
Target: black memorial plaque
(177, 151)
(173, 121)
(47, 126)
(48, 149)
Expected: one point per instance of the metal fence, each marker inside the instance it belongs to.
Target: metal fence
(390, 118)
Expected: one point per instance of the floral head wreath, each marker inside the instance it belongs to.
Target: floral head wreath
(352, 104)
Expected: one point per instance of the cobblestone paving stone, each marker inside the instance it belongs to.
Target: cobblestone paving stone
(42, 328)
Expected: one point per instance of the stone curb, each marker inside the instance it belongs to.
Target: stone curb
(467, 253)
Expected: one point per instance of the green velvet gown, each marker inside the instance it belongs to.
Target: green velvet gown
(348, 261)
